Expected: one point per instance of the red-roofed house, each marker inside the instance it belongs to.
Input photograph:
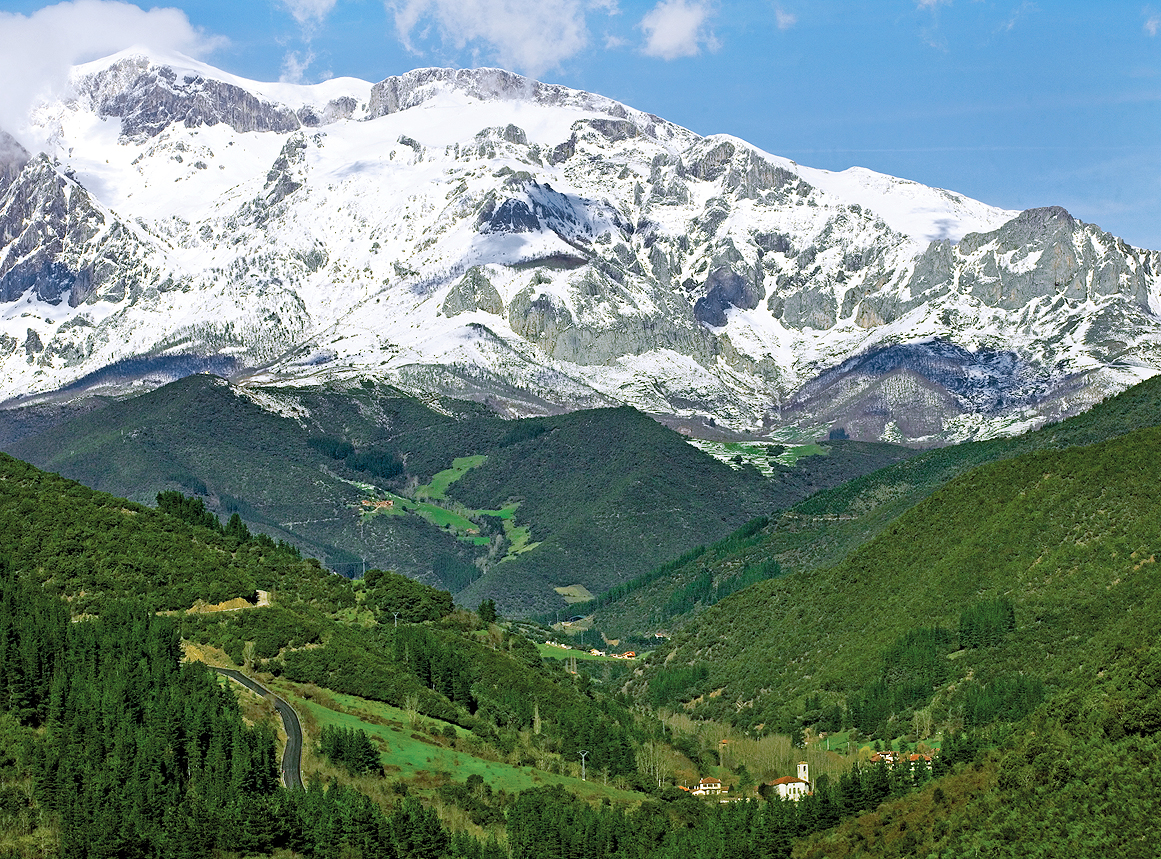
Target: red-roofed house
(791, 787)
(919, 760)
(708, 786)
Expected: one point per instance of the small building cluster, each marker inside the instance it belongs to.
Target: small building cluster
(893, 759)
(378, 504)
(628, 654)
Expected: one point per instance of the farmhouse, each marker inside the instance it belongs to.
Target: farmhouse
(919, 760)
(709, 786)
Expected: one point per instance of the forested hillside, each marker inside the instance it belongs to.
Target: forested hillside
(1009, 615)
(1045, 549)
(822, 529)
(112, 747)
(345, 473)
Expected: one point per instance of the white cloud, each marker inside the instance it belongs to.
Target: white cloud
(1153, 24)
(931, 4)
(309, 12)
(1018, 13)
(530, 36)
(37, 50)
(785, 20)
(294, 67)
(677, 28)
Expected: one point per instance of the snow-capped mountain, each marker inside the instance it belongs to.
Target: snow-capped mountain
(482, 235)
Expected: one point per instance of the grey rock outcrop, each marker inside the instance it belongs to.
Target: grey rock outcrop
(511, 216)
(32, 343)
(286, 174)
(147, 98)
(1046, 253)
(13, 157)
(55, 240)
(335, 110)
(725, 288)
(472, 292)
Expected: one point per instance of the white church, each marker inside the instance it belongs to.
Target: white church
(791, 787)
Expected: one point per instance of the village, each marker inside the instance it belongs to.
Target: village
(628, 654)
(796, 787)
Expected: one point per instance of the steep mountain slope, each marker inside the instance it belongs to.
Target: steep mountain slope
(822, 529)
(1064, 535)
(538, 249)
(589, 498)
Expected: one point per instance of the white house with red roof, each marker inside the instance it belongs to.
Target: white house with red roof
(708, 786)
(793, 787)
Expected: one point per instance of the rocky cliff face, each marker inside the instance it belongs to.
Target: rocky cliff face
(479, 234)
(57, 243)
(13, 157)
(148, 98)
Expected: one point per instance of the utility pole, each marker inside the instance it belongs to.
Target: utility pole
(583, 754)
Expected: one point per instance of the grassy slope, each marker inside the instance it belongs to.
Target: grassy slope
(416, 755)
(1067, 535)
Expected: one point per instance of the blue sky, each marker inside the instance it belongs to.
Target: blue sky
(1015, 103)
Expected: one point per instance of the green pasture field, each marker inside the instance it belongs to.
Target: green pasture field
(792, 454)
(437, 489)
(426, 504)
(519, 539)
(408, 758)
(837, 742)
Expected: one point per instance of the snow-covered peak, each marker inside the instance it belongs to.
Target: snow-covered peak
(402, 92)
(924, 213)
(918, 211)
(127, 64)
(149, 90)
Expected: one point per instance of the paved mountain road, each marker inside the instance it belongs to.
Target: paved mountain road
(292, 757)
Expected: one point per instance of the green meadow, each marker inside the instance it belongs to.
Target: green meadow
(423, 755)
(430, 502)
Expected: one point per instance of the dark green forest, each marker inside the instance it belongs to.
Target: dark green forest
(112, 748)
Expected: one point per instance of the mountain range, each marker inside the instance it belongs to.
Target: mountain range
(478, 235)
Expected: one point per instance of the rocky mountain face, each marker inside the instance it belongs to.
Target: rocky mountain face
(477, 234)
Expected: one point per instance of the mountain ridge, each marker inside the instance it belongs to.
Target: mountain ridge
(480, 235)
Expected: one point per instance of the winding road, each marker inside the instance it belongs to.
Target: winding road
(292, 757)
